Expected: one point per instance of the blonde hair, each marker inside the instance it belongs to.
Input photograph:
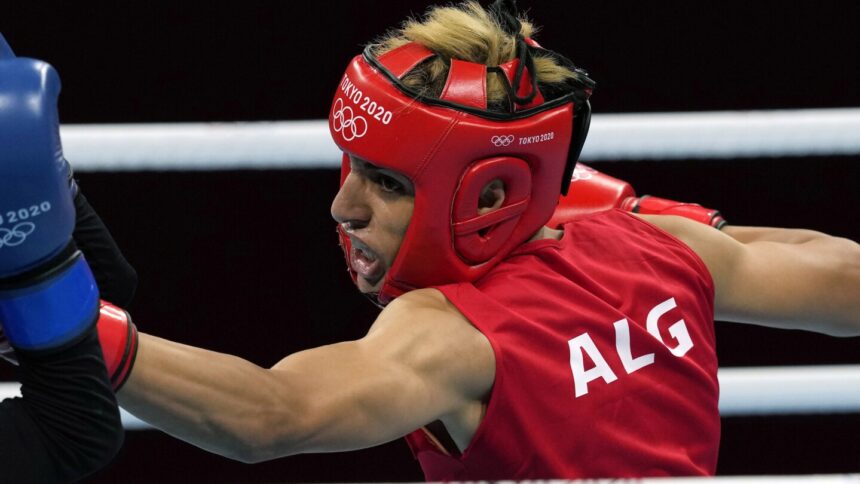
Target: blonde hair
(470, 33)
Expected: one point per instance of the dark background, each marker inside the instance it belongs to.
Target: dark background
(247, 263)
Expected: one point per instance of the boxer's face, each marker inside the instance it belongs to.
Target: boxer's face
(373, 206)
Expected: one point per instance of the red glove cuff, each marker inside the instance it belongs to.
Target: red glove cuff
(660, 206)
(590, 192)
(118, 338)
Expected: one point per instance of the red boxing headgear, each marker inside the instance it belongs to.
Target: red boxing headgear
(450, 148)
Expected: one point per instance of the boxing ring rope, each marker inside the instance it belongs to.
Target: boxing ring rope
(817, 479)
(306, 144)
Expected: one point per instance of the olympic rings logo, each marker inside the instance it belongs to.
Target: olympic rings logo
(347, 123)
(582, 173)
(16, 235)
(504, 140)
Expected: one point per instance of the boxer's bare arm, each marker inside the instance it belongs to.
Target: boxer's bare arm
(746, 234)
(793, 279)
(420, 362)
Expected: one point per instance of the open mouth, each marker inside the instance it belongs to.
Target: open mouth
(366, 263)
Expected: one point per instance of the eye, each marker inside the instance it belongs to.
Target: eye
(389, 183)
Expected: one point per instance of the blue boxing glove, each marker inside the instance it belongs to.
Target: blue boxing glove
(5, 49)
(48, 297)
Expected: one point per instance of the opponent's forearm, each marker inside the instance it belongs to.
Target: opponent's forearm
(116, 278)
(218, 402)
(67, 424)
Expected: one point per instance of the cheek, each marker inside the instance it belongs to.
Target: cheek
(399, 223)
(404, 216)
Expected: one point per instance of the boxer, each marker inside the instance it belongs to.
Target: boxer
(66, 425)
(506, 348)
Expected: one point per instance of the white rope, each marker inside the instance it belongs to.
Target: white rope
(743, 391)
(307, 144)
(200, 146)
(810, 479)
(129, 421)
(789, 390)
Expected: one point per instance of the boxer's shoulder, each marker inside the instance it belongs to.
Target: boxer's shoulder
(438, 338)
(424, 306)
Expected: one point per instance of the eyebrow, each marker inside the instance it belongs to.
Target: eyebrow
(400, 177)
(364, 163)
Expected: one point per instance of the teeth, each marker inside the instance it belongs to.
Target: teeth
(367, 255)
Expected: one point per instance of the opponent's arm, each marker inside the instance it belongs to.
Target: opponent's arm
(116, 278)
(66, 424)
(592, 191)
(792, 279)
(419, 362)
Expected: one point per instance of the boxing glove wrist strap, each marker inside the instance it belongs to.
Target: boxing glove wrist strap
(647, 204)
(117, 336)
(118, 339)
(51, 308)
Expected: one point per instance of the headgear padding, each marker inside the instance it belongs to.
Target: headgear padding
(450, 148)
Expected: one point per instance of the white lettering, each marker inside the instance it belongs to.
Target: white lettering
(527, 140)
(678, 330)
(583, 344)
(581, 376)
(354, 94)
(622, 345)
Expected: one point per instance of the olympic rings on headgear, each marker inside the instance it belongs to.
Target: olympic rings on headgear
(16, 235)
(344, 118)
(504, 140)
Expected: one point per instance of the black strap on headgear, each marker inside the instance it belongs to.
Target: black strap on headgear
(505, 12)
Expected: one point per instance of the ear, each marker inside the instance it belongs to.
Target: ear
(492, 196)
(479, 233)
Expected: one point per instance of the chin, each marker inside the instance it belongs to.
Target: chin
(367, 288)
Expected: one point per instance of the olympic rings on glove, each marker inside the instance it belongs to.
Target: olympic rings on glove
(16, 235)
(581, 172)
(347, 123)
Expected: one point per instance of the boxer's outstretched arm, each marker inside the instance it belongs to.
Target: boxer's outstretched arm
(793, 279)
(420, 362)
(747, 234)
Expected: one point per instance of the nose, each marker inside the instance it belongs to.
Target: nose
(349, 206)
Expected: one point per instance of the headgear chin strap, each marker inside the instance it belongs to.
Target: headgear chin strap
(450, 148)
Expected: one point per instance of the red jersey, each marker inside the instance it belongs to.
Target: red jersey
(605, 359)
